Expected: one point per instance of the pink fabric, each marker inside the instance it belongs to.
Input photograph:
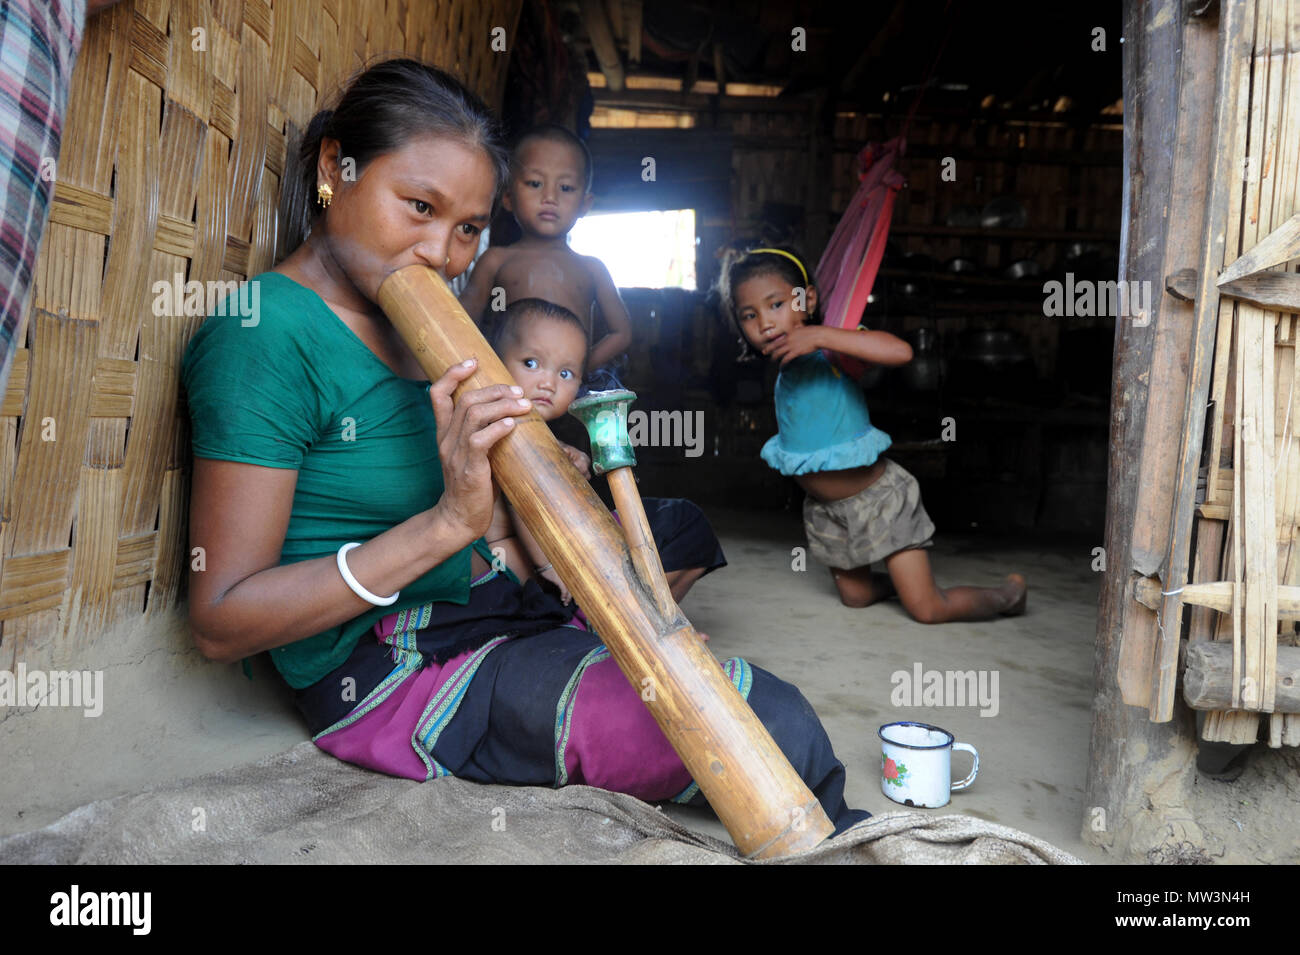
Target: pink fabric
(383, 739)
(847, 269)
(615, 743)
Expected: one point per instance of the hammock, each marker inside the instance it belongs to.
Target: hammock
(847, 269)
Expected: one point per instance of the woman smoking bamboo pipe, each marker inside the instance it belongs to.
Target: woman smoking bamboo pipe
(765, 806)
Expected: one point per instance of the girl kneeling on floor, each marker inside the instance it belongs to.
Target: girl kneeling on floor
(861, 508)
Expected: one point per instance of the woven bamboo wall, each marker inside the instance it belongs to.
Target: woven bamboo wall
(171, 162)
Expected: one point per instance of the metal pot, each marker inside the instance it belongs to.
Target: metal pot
(965, 217)
(1004, 212)
(925, 369)
(993, 362)
(992, 346)
(960, 266)
(1023, 269)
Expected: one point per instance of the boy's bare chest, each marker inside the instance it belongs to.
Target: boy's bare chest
(557, 278)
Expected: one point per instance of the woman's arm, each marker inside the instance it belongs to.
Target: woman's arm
(879, 348)
(242, 603)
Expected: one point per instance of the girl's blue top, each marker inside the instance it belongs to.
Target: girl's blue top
(823, 420)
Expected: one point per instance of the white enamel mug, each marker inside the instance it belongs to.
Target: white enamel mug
(916, 764)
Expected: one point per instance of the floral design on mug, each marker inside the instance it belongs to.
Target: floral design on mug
(895, 773)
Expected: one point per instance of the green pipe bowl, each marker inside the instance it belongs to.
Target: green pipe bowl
(604, 415)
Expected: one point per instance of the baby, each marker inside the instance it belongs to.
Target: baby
(549, 190)
(544, 347)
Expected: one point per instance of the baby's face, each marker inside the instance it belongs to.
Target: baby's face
(548, 189)
(546, 358)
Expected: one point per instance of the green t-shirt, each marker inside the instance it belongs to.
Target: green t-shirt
(297, 389)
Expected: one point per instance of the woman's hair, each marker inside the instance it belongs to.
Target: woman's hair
(741, 265)
(382, 109)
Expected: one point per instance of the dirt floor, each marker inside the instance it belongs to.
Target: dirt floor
(1033, 750)
(169, 714)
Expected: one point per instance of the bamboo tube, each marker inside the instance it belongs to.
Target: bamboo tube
(640, 539)
(766, 807)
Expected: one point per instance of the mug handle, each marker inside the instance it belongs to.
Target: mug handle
(974, 771)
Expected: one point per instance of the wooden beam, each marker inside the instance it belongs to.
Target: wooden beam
(1217, 595)
(692, 72)
(632, 13)
(888, 32)
(1280, 245)
(602, 42)
(1046, 157)
(614, 10)
(1277, 291)
(698, 102)
(1208, 682)
(719, 73)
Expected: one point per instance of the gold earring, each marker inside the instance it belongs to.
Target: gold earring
(447, 263)
(324, 195)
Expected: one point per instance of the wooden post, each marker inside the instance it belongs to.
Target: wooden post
(1169, 68)
(1234, 50)
(766, 807)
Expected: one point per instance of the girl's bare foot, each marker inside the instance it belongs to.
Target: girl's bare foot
(1016, 591)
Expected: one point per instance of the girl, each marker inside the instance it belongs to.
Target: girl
(861, 508)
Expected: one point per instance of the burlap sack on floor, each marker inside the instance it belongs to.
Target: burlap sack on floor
(305, 806)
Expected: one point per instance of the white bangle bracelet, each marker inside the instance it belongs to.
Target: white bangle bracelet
(352, 582)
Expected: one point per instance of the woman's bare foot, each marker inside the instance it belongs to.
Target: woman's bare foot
(1016, 590)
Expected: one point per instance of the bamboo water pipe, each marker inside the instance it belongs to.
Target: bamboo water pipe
(765, 806)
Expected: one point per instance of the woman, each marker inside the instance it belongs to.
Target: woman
(323, 503)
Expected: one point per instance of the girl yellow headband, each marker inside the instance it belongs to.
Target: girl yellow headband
(795, 260)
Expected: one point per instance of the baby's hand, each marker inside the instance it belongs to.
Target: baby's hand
(550, 574)
(580, 460)
(801, 340)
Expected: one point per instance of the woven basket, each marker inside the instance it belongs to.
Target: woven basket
(172, 153)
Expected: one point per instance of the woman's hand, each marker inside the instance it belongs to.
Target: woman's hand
(467, 429)
(800, 340)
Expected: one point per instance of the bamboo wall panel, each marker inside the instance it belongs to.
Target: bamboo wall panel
(171, 163)
(1252, 505)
